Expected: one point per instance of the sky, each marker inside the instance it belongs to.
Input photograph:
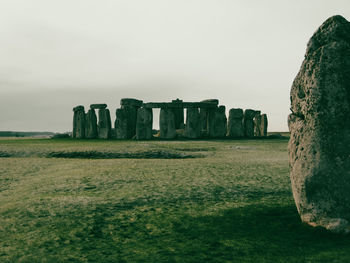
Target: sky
(56, 54)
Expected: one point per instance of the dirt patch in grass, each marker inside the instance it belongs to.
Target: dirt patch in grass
(4, 154)
(124, 155)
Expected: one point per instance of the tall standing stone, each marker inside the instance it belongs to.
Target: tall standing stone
(319, 146)
(248, 123)
(144, 124)
(217, 122)
(193, 125)
(257, 124)
(167, 124)
(104, 124)
(178, 115)
(121, 124)
(91, 124)
(263, 125)
(78, 122)
(131, 107)
(235, 123)
(207, 116)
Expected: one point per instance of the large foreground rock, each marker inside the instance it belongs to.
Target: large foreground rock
(319, 147)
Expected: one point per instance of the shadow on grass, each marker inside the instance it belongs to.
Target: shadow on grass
(262, 234)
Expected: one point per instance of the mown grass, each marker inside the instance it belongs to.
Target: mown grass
(234, 204)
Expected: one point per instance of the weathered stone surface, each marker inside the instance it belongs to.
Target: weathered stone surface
(121, 124)
(79, 108)
(90, 124)
(170, 105)
(167, 124)
(217, 122)
(98, 106)
(235, 123)
(144, 124)
(131, 102)
(78, 122)
(104, 124)
(179, 115)
(203, 112)
(319, 151)
(257, 124)
(248, 123)
(193, 125)
(263, 125)
(212, 101)
(131, 114)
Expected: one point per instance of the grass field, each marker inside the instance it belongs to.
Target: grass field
(154, 201)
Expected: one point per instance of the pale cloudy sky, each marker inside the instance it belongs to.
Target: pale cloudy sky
(56, 54)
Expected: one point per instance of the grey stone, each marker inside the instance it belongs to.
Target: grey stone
(131, 102)
(257, 124)
(319, 152)
(121, 124)
(167, 124)
(193, 127)
(212, 101)
(104, 124)
(131, 114)
(263, 125)
(248, 123)
(217, 122)
(144, 124)
(78, 122)
(91, 124)
(179, 115)
(79, 108)
(165, 105)
(98, 106)
(235, 123)
(203, 119)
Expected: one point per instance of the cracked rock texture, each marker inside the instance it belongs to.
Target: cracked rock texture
(319, 146)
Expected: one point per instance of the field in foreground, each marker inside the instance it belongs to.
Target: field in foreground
(153, 201)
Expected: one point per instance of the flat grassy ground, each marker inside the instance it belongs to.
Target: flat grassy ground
(231, 202)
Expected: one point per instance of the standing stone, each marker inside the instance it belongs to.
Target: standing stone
(121, 124)
(193, 127)
(257, 124)
(104, 124)
(91, 124)
(167, 124)
(203, 118)
(248, 123)
(98, 106)
(319, 146)
(144, 124)
(217, 122)
(131, 107)
(235, 123)
(178, 115)
(79, 122)
(263, 125)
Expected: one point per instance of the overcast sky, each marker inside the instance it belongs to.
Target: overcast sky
(56, 54)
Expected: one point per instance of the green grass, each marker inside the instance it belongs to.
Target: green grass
(233, 204)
